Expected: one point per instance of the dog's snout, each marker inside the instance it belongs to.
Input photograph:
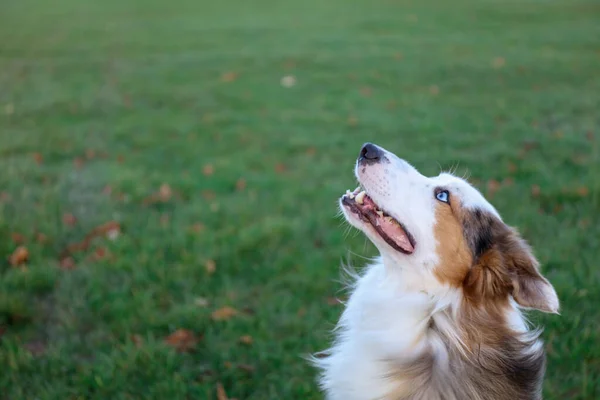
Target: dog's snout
(370, 153)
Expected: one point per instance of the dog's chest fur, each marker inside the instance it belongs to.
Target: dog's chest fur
(399, 342)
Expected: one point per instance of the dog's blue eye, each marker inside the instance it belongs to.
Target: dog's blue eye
(442, 196)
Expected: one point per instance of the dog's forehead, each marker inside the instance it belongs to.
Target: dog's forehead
(469, 196)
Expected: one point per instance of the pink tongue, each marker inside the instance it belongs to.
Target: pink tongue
(395, 232)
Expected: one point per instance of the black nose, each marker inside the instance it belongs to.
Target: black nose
(370, 153)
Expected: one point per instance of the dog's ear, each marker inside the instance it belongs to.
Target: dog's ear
(529, 288)
(504, 265)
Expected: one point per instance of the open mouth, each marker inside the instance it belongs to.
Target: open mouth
(391, 230)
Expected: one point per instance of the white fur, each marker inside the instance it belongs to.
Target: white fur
(389, 310)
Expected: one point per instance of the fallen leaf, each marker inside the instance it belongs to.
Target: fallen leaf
(78, 162)
(590, 136)
(19, 256)
(137, 340)
(498, 62)
(38, 158)
(246, 339)
(165, 192)
(240, 184)
(333, 301)
(182, 340)
(535, 190)
(221, 395)
(229, 76)
(224, 313)
(197, 227)
(512, 168)
(311, 151)
(9, 109)
(210, 266)
(280, 168)
(67, 263)
(120, 159)
(36, 347)
(583, 191)
(208, 195)
(41, 238)
(493, 186)
(434, 90)
(100, 253)
(288, 81)
(4, 197)
(366, 91)
(208, 170)
(17, 238)
(508, 181)
(89, 154)
(69, 219)
(246, 367)
(201, 302)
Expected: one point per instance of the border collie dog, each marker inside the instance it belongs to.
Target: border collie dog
(437, 315)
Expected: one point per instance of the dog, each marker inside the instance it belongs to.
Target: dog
(437, 315)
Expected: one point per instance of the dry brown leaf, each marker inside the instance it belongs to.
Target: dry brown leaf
(90, 153)
(208, 170)
(224, 313)
(165, 192)
(208, 195)
(78, 162)
(69, 219)
(498, 62)
(210, 266)
(100, 253)
(67, 263)
(493, 186)
(36, 348)
(19, 257)
(366, 91)
(41, 238)
(240, 184)
(535, 190)
(38, 158)
(229, 76)
(246, 367)
(197, 227)
(137, 340)
(583, 191)
(120, 159)
(246, 339)
(221, 395)
(17, 238)
(280, 168)
(182, 340)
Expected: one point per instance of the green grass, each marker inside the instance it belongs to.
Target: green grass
(134, 94)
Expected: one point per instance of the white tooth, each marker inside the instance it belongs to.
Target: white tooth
(361, 197)
(348, 193)
(351, 195)
(380, 213)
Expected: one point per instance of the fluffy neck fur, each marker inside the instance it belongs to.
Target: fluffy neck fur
(406, 336)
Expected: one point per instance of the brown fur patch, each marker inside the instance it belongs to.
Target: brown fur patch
(452, 247)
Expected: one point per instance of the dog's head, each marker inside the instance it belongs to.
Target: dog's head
(442, 227)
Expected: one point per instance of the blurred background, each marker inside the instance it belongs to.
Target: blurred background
(170, 172)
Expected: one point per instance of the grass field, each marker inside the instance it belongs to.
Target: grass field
(170, 118)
